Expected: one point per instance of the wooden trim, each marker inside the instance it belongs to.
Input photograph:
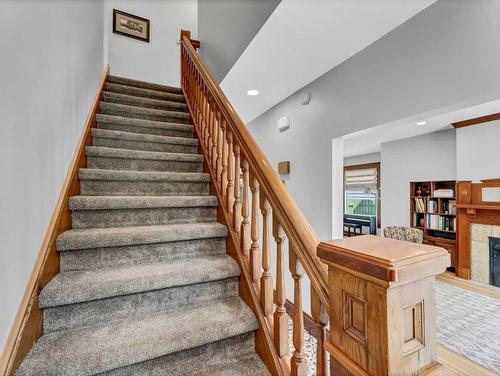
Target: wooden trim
(458, 365)
(362, 166)
(477, 287)
(379, 201)
(27, 326)
(475, 121)
(472, 209)
(195, 43)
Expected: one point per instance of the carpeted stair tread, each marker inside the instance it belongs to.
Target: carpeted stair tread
(143, 123)
(144, 102)
(122, 236)
(83, 286)
(129, 136)
(234, 356)
(143, 112)
(98, 151)
(143, 93)
(144, 84)
(100, 174)
(139, 202)
(143, 141)
(122, 343)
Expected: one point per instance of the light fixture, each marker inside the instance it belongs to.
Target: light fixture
(421, 123)
(252, 92)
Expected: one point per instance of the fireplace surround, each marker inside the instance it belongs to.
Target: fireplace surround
(478, 218)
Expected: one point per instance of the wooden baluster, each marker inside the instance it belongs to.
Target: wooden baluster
(237, 201)
(320, 317)
(196, 99)
(199, 100)
(280, 315)
(230, 171)
(220, 150)
(298, 362)
(205, 120)
(223, 174)
(215, 140)
(255, 254)
(244, 230)
(266, 281)
(210, 130)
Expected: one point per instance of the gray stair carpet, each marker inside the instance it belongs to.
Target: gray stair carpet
(145, 285)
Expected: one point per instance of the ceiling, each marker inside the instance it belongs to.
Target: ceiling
(370, 140)
(302, 40)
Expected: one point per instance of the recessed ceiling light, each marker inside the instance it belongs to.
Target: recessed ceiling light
(252, 92)
(421, 123)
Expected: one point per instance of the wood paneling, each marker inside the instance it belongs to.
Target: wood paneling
(27, 326)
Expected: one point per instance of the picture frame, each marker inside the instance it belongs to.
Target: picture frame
(131, 26)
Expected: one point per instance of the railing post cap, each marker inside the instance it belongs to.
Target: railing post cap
(385, 259)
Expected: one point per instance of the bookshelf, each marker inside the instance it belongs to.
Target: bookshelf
(432, 209)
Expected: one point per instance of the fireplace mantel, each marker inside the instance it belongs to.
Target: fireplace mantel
(472, 209)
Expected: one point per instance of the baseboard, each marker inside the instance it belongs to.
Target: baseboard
(457, 365)
(467, 284)
(28, 323)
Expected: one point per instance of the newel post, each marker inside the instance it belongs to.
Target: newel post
(382, 308)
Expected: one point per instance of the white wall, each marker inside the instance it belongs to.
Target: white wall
(51, 62)
(427, 65)
(428, 157)
(158, 60)
(478, 152)
(219, 48)
(362, 159)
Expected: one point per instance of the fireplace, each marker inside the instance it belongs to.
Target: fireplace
(478, 220)
(494, 261)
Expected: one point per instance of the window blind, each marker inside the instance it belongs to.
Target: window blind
(360, 179)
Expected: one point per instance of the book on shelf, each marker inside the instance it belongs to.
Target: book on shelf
(440, 223)
(432, 206)
(444, 193)
(419, 205)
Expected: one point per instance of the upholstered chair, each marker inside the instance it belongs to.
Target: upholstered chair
(408, 234)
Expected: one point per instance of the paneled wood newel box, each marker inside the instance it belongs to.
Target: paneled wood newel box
(382, 309)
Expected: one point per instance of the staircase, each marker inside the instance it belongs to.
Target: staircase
(145, 285)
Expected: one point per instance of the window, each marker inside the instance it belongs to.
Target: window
(362, 190)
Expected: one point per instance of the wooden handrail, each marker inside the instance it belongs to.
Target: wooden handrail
(295, 225)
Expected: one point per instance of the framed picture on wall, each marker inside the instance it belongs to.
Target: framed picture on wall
(131, 26)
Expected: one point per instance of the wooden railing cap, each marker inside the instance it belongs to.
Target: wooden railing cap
(385, 259)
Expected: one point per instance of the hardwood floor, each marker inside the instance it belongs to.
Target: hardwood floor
(456, 365)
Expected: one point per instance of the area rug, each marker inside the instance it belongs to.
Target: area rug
(469, 324)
